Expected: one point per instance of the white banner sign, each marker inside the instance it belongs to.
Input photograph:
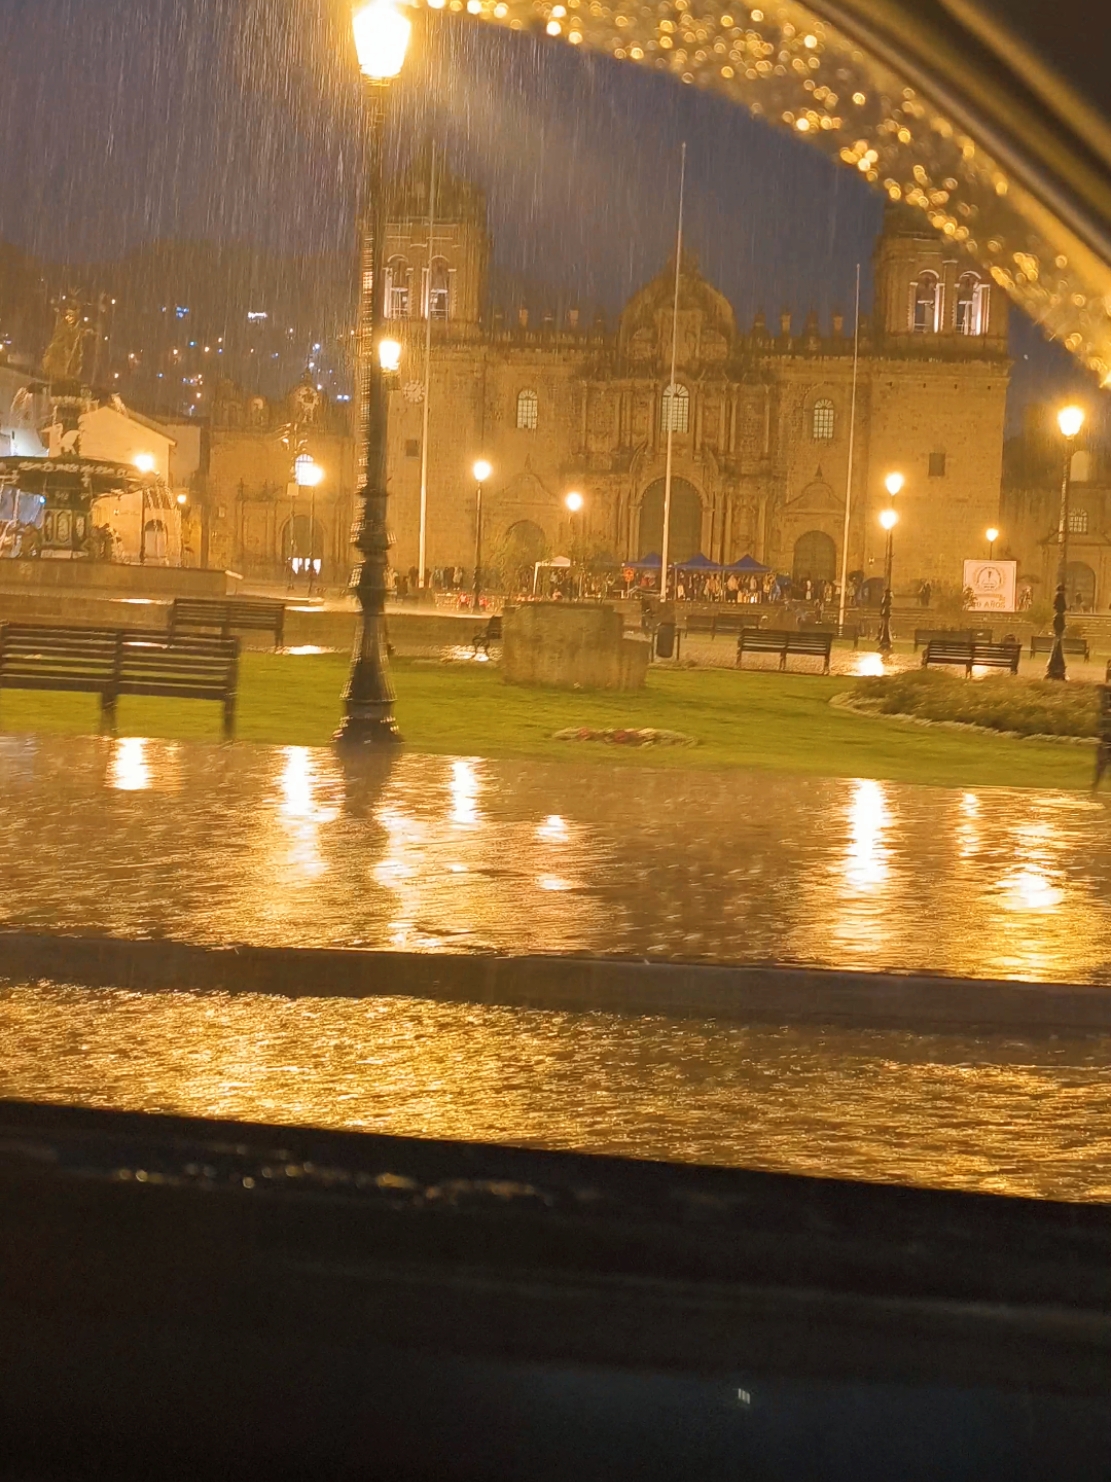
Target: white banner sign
(993, 585)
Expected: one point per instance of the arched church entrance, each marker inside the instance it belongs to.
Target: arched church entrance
(686, 520)
(1080, 586)
(302, 544)
(815, 557)
(517, 553)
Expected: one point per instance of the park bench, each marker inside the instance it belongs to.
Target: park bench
(489, 633)
(966, 655)
(1042, 643)
(729, 621)
(924, 636)
(850, 630)
(225, 615)
(811, 645)
(110, 662)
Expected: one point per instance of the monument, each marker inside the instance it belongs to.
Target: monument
(572, 645)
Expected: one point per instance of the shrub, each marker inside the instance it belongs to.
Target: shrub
(1001, 702)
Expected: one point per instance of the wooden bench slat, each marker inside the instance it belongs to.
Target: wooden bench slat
(786, 644)
(1043, 643)
(255, 614)
(111, 662)
(970, 655)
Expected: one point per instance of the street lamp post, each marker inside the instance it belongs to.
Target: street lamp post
(481, 471)
(145, 463)
(1070, 420)
(889, 518)
(574, 502)
(306, 475)
(182, 501)
(381, 40)
(992, 535)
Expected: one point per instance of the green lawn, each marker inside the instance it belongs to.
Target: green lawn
(779, 722)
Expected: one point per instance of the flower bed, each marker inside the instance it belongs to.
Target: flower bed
(1024, 707)
(643, 736)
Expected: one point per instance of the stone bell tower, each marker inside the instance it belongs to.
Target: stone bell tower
(937, 398)
(931, 299)
(447, 282)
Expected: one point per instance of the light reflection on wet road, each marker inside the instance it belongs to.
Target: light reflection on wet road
(277, 846)
(948, 1111)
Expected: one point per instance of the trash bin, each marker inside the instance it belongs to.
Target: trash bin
(665, 640)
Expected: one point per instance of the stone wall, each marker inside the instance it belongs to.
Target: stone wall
(571, 645)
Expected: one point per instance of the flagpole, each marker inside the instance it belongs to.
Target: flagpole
(849, 476)
(423, 541)
(670, 398)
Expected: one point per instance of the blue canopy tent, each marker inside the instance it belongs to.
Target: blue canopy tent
(650, 562)
(748, 566)
(697, 563)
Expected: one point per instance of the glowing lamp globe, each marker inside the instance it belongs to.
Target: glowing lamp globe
(382, 33)
(482, 470)
(183, 500)
(144, 462)
(1070, 420)
(888, 519)
(992, 534)
(389, 355)
(307, 473)
(893, 483)
(574, 502)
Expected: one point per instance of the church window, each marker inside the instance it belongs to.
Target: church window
(1078, 522)
(397, 288)
(926, 308)
(528, 410)
(972, 305)
(675, 411)
(822, 423)
(439, 290)
(1081, 467)
(937, 465)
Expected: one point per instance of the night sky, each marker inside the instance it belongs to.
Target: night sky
(130, 120)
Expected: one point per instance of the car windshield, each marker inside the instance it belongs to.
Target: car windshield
(687, 646)
(554, 582)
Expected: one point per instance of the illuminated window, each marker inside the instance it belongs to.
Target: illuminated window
(972, 305)
(1081, 466)
(675, 410)
(528, 410)
(1078, 522)
(822, 425)
(926, 305)
(397, 288)
(439, 290)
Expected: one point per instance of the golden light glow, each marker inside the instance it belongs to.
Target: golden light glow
(893, 483)
(574, 501)
(481, 470)
(1070, 420)
(307, 473)
(130, 771)
(382, 32)
(183, 500)
(889, 518)
(992, 534)
(389, 355)
(145, 462)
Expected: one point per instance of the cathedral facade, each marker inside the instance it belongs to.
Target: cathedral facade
(763, 427)
(760, 418)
